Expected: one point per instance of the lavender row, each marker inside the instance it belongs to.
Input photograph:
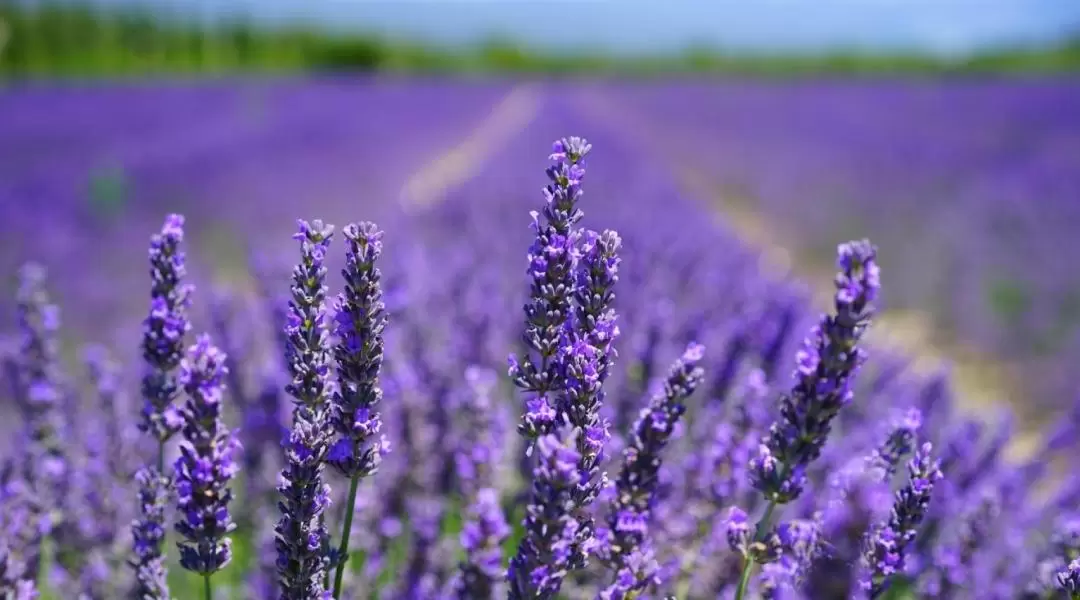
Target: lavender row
(85, 169)
(970, 188)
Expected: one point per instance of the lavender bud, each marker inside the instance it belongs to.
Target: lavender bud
(826, 367)
(206, 464)
(360, 319)
(549, 550)
(1069, 579)
(551, 262)
(164, 330)
(636, 487)
(149, 533)
(302, 542)
(887, 544)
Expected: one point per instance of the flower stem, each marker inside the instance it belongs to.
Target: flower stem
(161, 458)
(343, 549)
(748, 564)
(208, 592)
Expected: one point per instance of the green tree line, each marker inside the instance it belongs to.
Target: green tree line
(74, 39)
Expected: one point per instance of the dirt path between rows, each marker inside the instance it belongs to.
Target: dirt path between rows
(981, 384)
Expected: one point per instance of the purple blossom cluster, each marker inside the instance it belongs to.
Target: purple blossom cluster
(855, 478)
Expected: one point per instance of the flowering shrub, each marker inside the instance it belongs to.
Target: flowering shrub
(394, 471)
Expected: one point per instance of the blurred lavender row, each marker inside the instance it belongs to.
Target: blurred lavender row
(971, 188)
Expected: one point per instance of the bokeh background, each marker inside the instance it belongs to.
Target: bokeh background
(948, 131)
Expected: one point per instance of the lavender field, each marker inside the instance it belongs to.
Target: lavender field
(274, 409)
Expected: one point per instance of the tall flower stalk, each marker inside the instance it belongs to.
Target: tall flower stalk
(826, 368)
(552, 259)
(360, 319)
(561, 378)
(302, 542)
(39, 389)
(206, 465)
(887, 545)
(163, 349)
(485, 527)
(627, 549)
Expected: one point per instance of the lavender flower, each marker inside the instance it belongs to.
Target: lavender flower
(20, 531)
(206, 464)
(485, 528)
(549, 550)
(360, 318)
(1069, 579)
(149, 533)
(162, 349)
(887, 544)
(636, 486)
(885, 459)
(552, 259)
(302, 542)
(587, 358)
(163, 332)
(38, 379)
(482, 536)
(825, 370)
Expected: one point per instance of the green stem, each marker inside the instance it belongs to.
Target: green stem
(208, 592)
(748, 564)
(161, 457)
(343, 549)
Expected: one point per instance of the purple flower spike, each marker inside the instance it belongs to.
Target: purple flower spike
(302, 542)
(886, 545)
(37, 378)
(551, 262)
(549, 551)
(149, 533)
(638, 481)
(825, 370)
(206, 464)
(1069, 579)
(360, 319)
(164, 330)
(485, 529)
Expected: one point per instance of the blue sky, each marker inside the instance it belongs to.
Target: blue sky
(627, 26)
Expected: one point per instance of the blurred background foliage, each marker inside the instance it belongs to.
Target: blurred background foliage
(49, 39)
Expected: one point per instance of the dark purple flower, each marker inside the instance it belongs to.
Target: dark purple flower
(825, 369)
(636, 486)
(149, 533)
(887, 544)
(551, 268)
(482, 536)
(1069, 579)
(550, 549)
(360, 319)
(164, 329)
(207, 463)
(302, 542)
(485, 528)
(40, 390)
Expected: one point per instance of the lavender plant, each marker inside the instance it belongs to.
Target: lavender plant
(206, 465)
(360, 318)
(823, 385)
(627, 550)
(162, 348)
(302, 541)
